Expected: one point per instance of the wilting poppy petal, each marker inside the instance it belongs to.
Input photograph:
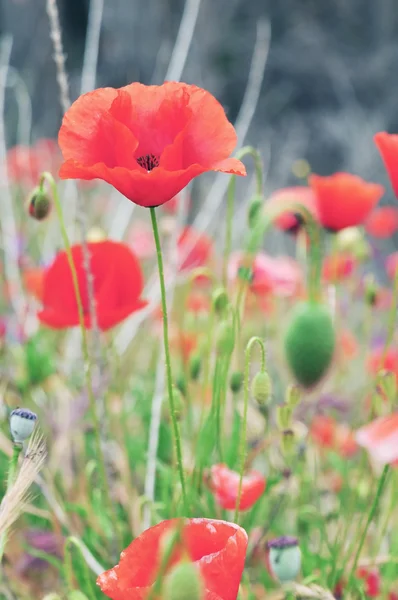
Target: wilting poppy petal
(289, 221)
(382, 222)
(225, 485)
(387, 143)
(118, 285)
(147, 141)
(344, 200)
(380, 438)
(217, 548)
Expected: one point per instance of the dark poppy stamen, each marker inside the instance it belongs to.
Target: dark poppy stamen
(148, 162)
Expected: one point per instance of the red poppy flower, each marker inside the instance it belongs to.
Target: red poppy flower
(387, 143)
(372, 581)
(323, 431)
(289, 221)
(147, 141)
(344, 200)
(225, 485)
(383, 222)
(118, 285)
(345, 442)
(26, 163)
(377, 362)
(194, 249)
(217, 548)
(380, 438)
(337, 267)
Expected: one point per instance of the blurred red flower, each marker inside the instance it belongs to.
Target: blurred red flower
(382, 222)
(217, 548)
(392, 264)
(337, 267)
(372, 581)
(224, 483)
(118, 285)
(387, 143)
(147, 141)
(380, 438)
(194, 249)
(26, 163)
(33, 279)
(322, 431)
(289, 221)
(377, 361)
(280, 275)
(344, 200)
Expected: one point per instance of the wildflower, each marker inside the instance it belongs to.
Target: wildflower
(216, 548)
(279, 275)
(310, 343)
(372, 581)
(380, 438)
(118, 285)
(387, 144)
(289, 221)
(22, 424)
(337, 267)
(148, 142)
(379, 361)
(382, 222)
(224, 483)
(194, 249)
(39, 205)
(284, 558)
(322, 431)
(344, 200)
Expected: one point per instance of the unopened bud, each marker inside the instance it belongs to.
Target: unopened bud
(183, 582)
(261, 387)
(288, 442)
(22, 424)
(39, 204)
(255, 206)
(284, 558)
(293, 395)
(284, 416)
(195, 364)
(225, 339)
(220, 300)
(236, 381)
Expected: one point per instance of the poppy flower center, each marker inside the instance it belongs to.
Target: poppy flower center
(148, 161)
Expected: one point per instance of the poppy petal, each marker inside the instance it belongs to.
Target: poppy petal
(380, 438)
(387, 143)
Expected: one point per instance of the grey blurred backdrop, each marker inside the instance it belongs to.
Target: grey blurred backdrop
(330, 80)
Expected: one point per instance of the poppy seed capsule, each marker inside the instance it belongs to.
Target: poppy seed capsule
(225, 339)
(236, 382)
(261, 387)
(220, 300)
(309, 343)
(39, 205)
(22, 424)
(183, 582)
(284, 558)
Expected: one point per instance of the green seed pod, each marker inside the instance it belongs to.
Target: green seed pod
(22, 424)
(236, 382)
(195, 365)
(183, 583)
(284, 558)
(293, 396)
(310, 342)
(225, 338)
(261, 387)
(39, 204)
(253, 213)
(284, 416)
(220, 300)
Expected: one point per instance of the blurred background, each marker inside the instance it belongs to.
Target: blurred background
(330, 80)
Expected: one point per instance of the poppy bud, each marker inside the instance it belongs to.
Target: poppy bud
(284, 416)
(220, 300)
(288, 442)
(225, 339)
(39, 204)
(261, 387)
(284, 558)
(255, 206)
(371, 291)
(183, 582)
(236, 382)
(195, 365)
(22, 424)
(387, 382)
(293, 396)
(181, 384)
(310, 343)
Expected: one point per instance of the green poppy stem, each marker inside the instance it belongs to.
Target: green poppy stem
(47, 177)
(169, 375)
(246, 392)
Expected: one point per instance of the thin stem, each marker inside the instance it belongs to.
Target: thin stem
(372, 511)
(47, 177)
(12, 475)
(246, 392)
(173, 414)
